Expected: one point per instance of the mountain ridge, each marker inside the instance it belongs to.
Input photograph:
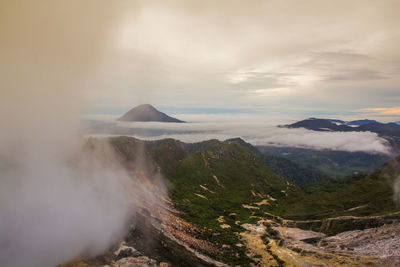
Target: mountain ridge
(295, 173)
(317, 124)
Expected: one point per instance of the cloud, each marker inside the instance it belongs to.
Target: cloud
(383, 111)
(343, 66)
(182, 53)
(252, 129)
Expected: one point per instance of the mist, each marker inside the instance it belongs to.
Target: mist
(257, 130)
(58, 201)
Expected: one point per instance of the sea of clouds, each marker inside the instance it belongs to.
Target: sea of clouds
(257, 130)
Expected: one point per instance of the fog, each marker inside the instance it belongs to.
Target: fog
(257, 130)
(57, 200)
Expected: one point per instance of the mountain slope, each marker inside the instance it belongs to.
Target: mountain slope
(360, 195)
(147, 112)
(222, 205)
(217, 188)
(331, 163)
(291, 171)
(235, 174)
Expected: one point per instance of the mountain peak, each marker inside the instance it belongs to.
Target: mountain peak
(146, 106)
(147, 112)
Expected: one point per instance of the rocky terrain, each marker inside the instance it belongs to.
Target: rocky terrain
(268, 242)
(221, 210)
(382, 242)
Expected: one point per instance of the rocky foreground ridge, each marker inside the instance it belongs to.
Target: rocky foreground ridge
(271, 241)
(202, 223)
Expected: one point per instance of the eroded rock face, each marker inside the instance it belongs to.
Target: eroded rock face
(298, 234)
(333, 226)
(141, 261)
(383, 242)
(267, 242)
(125, 251)
(271, 244)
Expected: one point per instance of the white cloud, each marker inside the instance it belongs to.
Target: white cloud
(255, 130)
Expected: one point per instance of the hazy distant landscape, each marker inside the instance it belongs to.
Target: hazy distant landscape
(256, 130)
(199, 133)
(335, 153)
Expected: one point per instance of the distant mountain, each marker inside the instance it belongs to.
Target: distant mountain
(335, 121)
(145, 113)
(350, 123)
(391, 128)
(361, 122)
(320, 125)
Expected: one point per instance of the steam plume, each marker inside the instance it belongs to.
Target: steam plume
(57, 202)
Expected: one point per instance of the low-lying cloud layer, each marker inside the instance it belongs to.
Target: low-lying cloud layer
(252, 129)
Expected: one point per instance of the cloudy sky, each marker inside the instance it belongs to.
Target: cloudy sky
(293, 58)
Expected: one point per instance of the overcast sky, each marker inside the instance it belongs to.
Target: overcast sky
(300, 58)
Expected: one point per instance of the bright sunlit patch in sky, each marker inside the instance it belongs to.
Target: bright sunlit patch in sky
(383, 111)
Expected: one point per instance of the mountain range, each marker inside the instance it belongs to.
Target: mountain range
(315, 124)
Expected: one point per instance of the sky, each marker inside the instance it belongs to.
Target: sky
(300, 58)
(277, 58)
